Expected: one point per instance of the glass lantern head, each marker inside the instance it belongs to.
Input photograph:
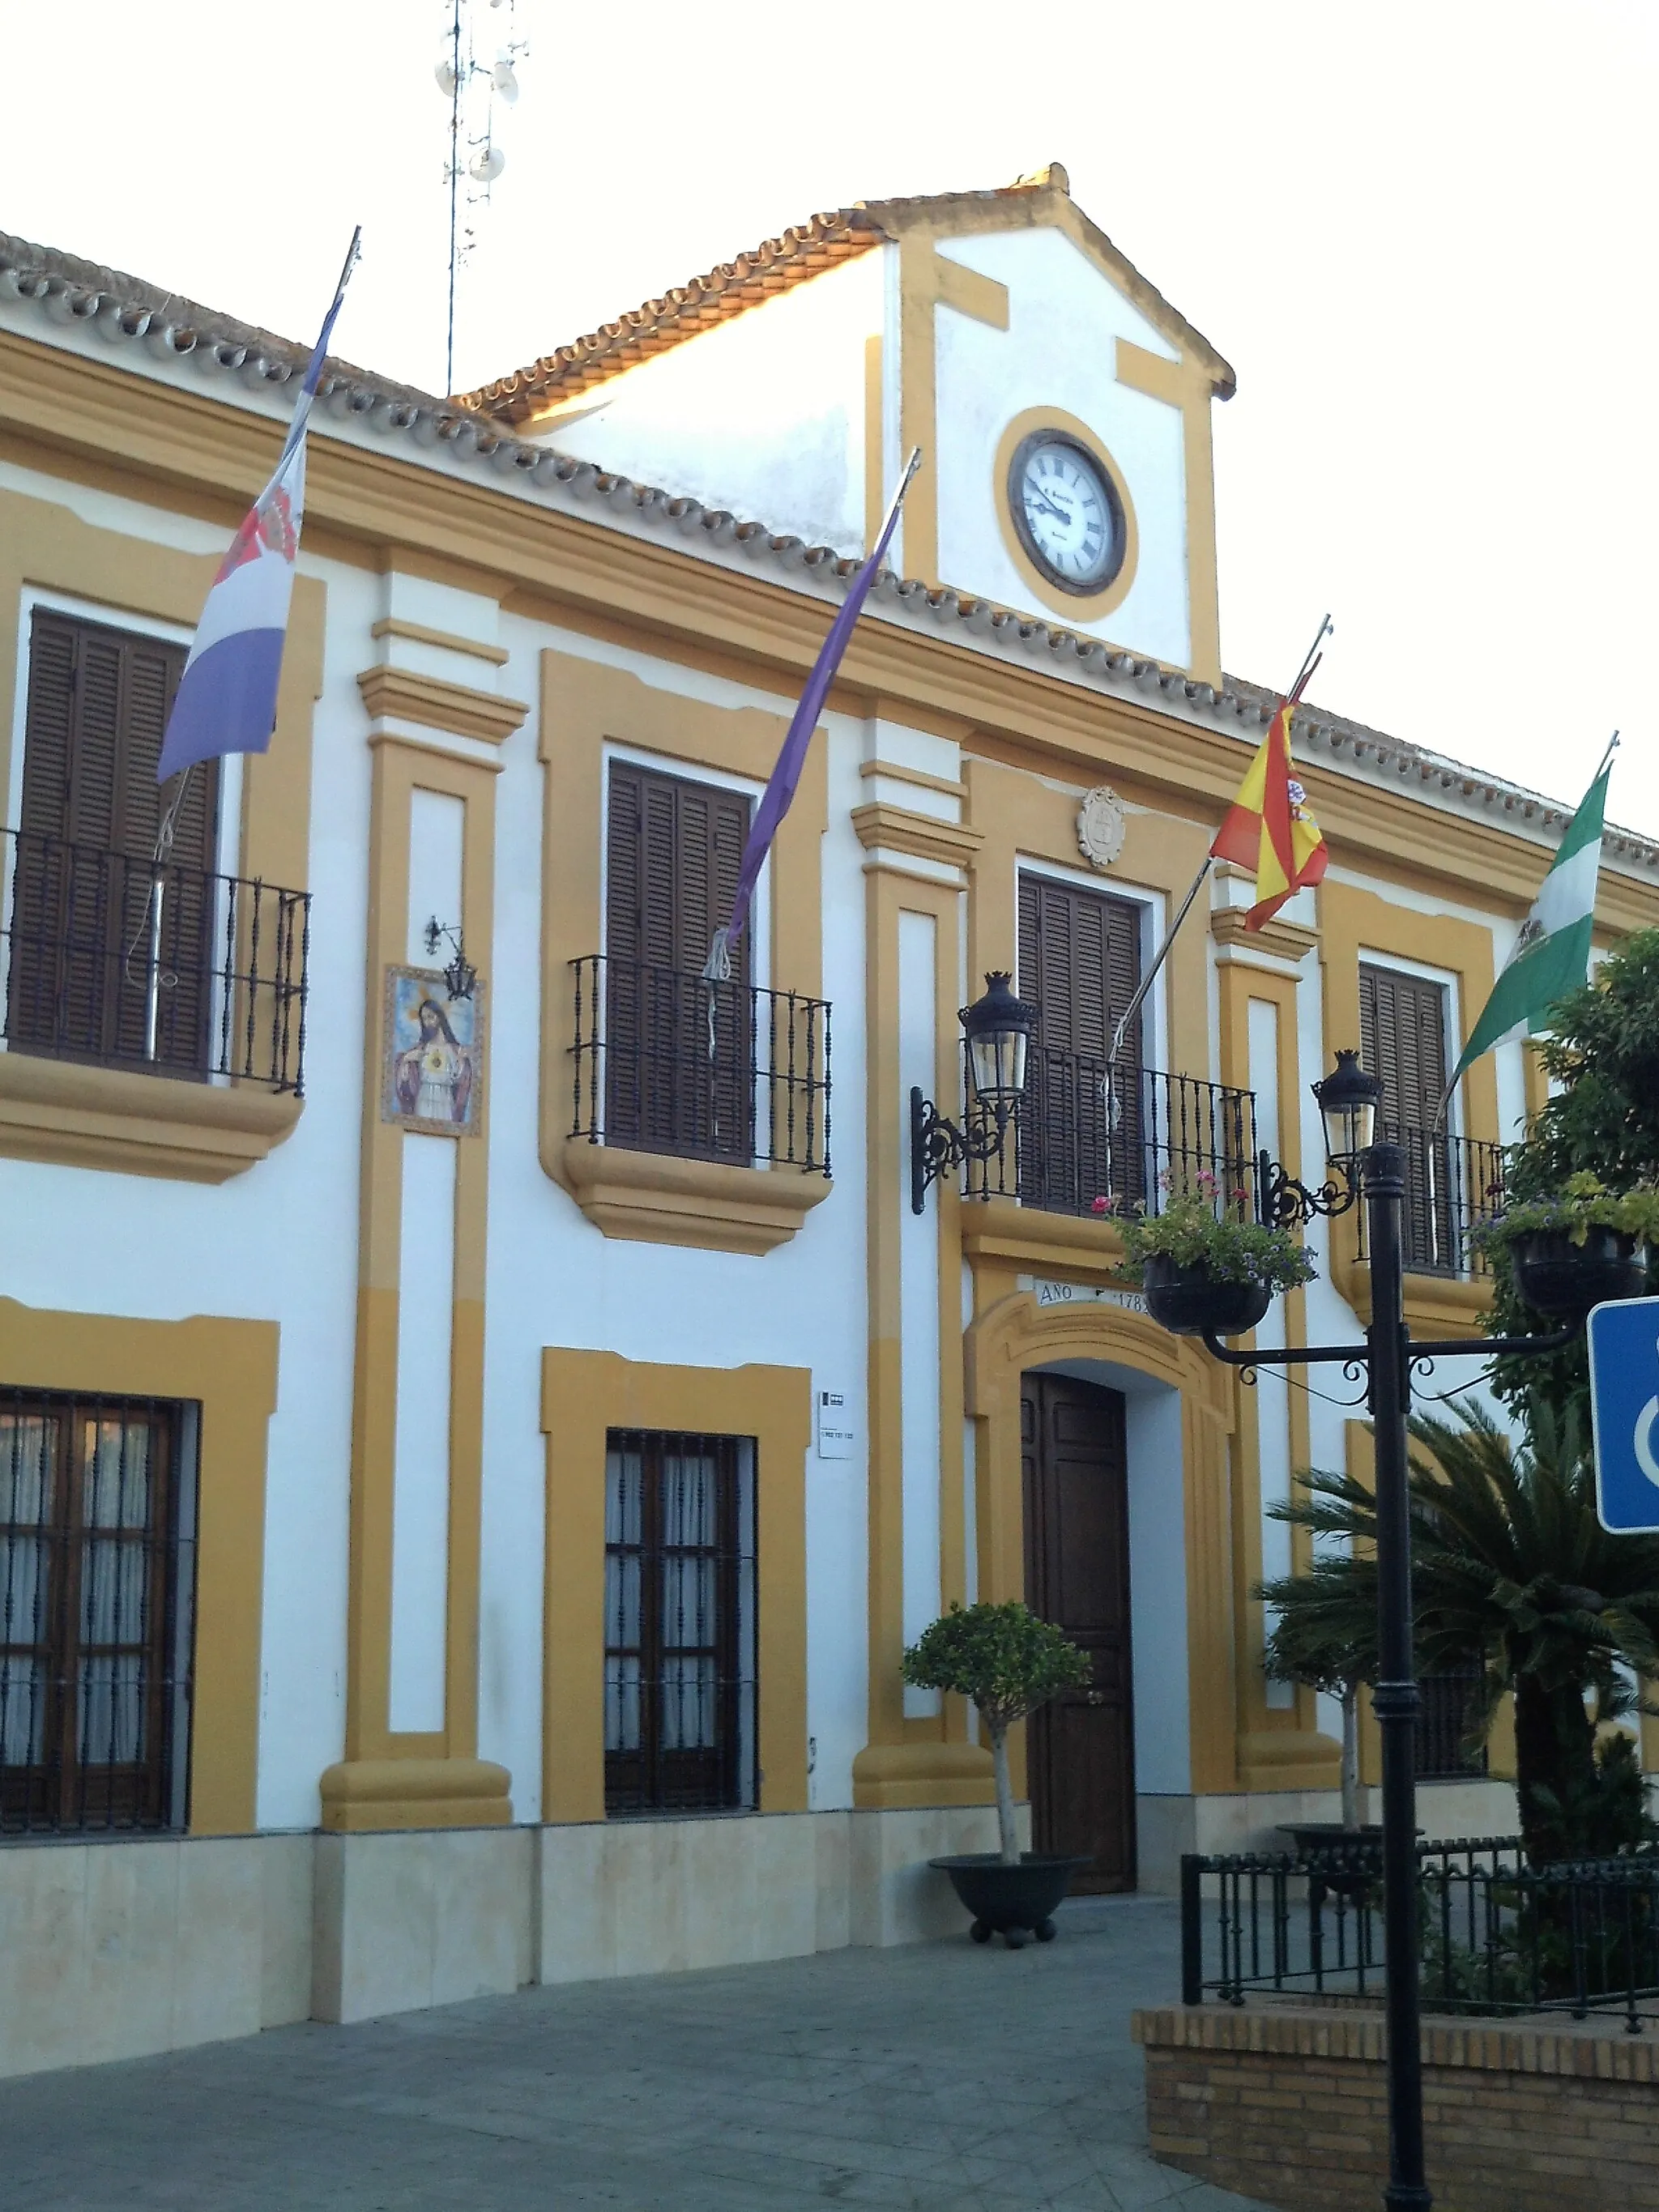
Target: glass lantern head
(999, 1028)
(1348, 1098)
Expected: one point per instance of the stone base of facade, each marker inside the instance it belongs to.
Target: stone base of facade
(117, 1949)
(1288, 2105)
(1249, 1820)
(121, 1949)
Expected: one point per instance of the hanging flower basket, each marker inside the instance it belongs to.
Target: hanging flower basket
(1205, 1266)
(1578, 1247)
(1556, 1275)
(1191, 1302)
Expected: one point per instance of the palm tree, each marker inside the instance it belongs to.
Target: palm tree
(1509, 1561)
(1325, 1636)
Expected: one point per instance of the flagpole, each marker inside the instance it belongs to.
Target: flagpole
(717, 968)
(1310, 660)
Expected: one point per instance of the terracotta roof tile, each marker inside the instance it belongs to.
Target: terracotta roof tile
(770, 268)
(776, 266)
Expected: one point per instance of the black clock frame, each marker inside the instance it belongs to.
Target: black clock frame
(1029, 545)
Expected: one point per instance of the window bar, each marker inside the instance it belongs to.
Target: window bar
(253, 973)
(791, 1016)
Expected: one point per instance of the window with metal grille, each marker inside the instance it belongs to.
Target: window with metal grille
(1445, 1708)
(679, 1622)
(97, 1589)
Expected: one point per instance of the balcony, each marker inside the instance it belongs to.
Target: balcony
(149, 969)
(1453, 1184)
(691, 1104)
(1076, 1138)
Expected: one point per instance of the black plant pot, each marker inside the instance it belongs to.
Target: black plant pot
(1012, 1901)
(1187, 1301)
(1556, 1276)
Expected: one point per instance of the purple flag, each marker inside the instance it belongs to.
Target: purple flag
(780, 789)
(226, 701)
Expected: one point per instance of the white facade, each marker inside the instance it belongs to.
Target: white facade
(613, 630)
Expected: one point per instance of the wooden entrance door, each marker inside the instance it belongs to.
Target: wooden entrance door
(1080, 1747)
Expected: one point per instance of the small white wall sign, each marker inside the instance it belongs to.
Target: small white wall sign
(837, 1437)
(1048, 1293)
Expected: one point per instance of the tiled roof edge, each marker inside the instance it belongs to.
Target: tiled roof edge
(725, 291)
(124, 310)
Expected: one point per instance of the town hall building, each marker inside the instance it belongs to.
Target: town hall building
(481, 1413)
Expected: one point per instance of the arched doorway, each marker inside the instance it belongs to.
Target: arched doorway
(1177, 1408)
(1080, 1759)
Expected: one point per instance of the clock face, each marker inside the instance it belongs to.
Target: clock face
(1067, 511)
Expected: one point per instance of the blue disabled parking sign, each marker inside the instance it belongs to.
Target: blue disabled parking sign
(1623, 1365)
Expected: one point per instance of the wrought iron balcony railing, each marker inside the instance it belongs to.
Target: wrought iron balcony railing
(666, 1062)
(1452, 1185)
(1076, 1138)
(130, 963)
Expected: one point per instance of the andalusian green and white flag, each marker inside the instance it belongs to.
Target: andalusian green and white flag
(1552, 955)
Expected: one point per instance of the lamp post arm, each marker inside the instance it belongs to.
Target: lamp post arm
(1294, 1355)
(1492, 1347)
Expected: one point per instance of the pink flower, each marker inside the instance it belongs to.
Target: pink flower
(1101, 1205)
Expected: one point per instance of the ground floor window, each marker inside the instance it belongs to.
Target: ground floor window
(679, 1622)
(1447, 1703)
(97, 1586)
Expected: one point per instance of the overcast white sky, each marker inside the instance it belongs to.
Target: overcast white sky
(1423, 234)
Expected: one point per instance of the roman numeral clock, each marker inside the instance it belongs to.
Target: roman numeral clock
(1067, 513)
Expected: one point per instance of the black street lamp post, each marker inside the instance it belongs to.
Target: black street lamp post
(1375, 1172)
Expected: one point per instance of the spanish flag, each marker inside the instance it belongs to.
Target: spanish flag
(1269, 826)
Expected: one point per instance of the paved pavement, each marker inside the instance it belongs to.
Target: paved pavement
(935, 2078)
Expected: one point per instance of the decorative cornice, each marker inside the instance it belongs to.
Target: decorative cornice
(1286, 940)
(924, 836)
(454, 707)
(459, 494)
(419, 634)
(896, 772)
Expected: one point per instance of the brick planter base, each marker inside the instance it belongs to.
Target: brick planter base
(1288, 2104)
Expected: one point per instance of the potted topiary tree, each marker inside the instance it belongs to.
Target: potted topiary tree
(1204, 1270)
(1007, 1662)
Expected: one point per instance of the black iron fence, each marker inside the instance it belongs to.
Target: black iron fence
(133, 963)
(663, 1061)
(1495, 1936)
(1131, 1135)
(1452, 1185)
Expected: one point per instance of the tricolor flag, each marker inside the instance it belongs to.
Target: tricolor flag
(1269, 828)
(226, 701)
(792, 758)
(1552, 955)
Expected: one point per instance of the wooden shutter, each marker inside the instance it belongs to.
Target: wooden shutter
(1402, 1036)
(1079, 961)
(97, 706)
(673, 851)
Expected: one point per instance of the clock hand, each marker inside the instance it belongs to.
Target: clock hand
(1053, 507)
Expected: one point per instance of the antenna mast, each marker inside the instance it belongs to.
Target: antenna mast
(473, 88)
